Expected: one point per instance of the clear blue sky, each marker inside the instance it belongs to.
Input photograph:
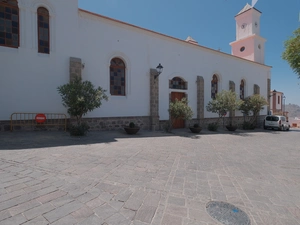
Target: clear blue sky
(212, 24)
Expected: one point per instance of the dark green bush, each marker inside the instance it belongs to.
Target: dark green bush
(196, 125)
(167, 126)
(213, 126)
(248, 126)
(131, 125)
(79, 130)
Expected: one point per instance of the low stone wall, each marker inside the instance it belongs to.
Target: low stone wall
(117, 123)
(5, 126)
(204, 122)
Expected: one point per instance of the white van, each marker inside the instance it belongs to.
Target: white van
(277, 122)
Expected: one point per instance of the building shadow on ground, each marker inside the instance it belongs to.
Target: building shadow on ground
(21, 140)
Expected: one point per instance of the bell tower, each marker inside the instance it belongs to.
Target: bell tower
(249, 44)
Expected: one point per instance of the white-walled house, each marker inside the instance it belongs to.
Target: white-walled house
(277, 103)
(43, 43)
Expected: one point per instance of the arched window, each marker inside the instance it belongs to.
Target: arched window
(214, 86)
(9, 23)
(178, 83)
(242, 89)
(43, 30)
(117, 77)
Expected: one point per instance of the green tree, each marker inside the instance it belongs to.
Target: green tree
(253, 105)
(225, 101)
(81, 97)
(179, 109)
(292, 52)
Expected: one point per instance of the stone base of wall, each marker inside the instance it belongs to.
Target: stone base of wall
(204, 122)
(108, 123)
(5, 126)
(117, 123)
(239, 120)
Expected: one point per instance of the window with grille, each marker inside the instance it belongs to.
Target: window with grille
(117, 77)
(43, 30)
(9, 24)
(177, 83)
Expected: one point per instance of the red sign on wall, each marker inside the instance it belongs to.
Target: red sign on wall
(40, 118)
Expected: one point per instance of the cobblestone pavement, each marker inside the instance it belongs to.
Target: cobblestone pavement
(153, 178)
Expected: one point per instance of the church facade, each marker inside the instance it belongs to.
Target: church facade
(45, 43)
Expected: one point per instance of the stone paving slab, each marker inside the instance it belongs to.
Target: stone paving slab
(152, 178)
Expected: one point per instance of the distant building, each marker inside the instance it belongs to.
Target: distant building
(277, 103)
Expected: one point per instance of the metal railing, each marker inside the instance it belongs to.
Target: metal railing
(29, 119)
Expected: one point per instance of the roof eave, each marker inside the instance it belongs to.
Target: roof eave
(248, 10)
(173, 38)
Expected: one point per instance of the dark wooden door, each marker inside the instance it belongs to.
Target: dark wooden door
(178, 123)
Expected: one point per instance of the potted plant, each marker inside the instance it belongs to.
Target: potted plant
(231, 127)
(195, 128)
(132, 128)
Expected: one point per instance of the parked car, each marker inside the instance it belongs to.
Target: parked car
(277, 122)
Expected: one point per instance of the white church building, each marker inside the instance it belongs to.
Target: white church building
(45, 43)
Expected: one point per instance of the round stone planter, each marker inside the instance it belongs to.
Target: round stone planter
(195, 129)
(231, 128)
(131, 130)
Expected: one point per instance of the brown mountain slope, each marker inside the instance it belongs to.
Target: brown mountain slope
(294, 110)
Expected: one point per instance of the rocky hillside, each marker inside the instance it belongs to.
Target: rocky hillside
(294, 110)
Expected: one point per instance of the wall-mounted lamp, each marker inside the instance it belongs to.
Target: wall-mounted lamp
(159, 70)
(83, 65)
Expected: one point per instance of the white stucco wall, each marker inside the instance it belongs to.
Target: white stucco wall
(143, 50)
(278, 105)
(29, 80)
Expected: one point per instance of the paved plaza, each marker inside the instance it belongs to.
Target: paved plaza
(111, 178)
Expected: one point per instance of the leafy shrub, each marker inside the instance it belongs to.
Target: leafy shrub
(225, 101)
(213, 126)
(79, 130)
(81, 97)
(248, 126)
(196, 125)
(179, 109)
(252, 105)
(131, 125)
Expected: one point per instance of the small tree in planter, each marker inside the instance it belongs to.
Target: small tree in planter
(81, 97)
(225, 101)
(179, 109)
(252, 105)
